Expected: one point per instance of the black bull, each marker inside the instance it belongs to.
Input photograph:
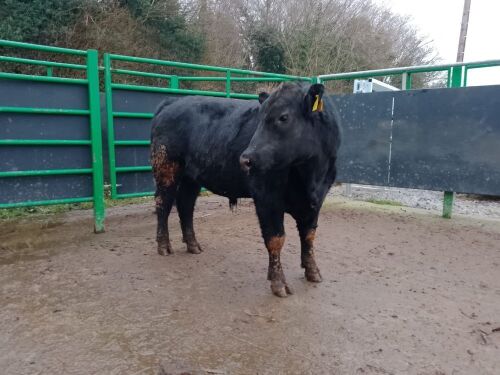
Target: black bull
(281, 152)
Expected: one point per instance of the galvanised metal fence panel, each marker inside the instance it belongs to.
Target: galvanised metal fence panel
(130, 108)
(366, 130)
(133, 111)
(447, 139)
(50, 133)
(457, 74)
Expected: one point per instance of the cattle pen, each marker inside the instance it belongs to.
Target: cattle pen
(404, 291)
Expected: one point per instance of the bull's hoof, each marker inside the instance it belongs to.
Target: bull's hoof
(194, 248)
(281, 289)
(313, 275)
(164, 249)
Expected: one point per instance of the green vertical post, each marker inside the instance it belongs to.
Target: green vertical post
(407, 81)
(456, 74)
(228, 84)
(110, 123)
(174, 82)
(448, 199)
(50, 71)
(95, 131)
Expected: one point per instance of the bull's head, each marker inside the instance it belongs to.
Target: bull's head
(285, 133)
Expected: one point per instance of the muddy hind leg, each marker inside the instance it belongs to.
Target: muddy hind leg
(164, 199)
(186, 199)
(166, 173)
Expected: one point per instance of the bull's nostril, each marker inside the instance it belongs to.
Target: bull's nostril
(245, 163)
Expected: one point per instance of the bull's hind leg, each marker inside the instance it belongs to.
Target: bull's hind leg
(186, 199)
(164, 199)
(166, 174)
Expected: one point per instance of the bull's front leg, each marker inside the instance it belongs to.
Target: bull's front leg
(307, 233)
(271, 214)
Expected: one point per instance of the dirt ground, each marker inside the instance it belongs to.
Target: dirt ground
(404, 292)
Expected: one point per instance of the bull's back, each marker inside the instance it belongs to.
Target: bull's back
(207, 136)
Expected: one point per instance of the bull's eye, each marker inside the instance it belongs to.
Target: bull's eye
(283, 118)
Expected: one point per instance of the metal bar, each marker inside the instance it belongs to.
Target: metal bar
(140, 74)
(29, 77)
(54, 64)
(46, 203)
(132, 143)
(43, 142)
(228, 84)
(47, 172)
(174, 82)
(135, 195)
(412, 69)
(182, 91)
(484, 64)
(167, 90)
(110, 119)
(145, 168)
(133, 114)
(409, 81)
(236, 95)
(50, 71)
(456, 76)
(95, 132)
(38, 47)
(203, 67)
(45, 111)
(448, 204)
(234, 79)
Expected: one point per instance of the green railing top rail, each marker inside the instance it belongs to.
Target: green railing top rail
(199, 67)
(408, 70)
(42, 48)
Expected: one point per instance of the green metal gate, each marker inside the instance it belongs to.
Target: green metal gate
(67, 186)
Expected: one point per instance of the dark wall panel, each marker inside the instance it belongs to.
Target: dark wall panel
(57, 127)
(26, 158)
(16, 93)
(135, 182)
(38, 188)
(136, 101)
(132, 156)
(366, 127)
(447, 139)
(132, 129)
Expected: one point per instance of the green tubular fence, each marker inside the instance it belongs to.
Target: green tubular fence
(456, 77)
(174, 81)
(91, 81)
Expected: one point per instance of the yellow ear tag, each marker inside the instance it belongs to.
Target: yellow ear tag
(318, 105)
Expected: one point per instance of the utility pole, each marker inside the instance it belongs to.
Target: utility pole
(463, 31)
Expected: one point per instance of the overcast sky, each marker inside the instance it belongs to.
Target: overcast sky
(439, 21)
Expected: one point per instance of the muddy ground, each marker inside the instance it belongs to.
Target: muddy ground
(404, 292)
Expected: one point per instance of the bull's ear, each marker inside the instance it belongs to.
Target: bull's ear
(313, 101)
(263, 96)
